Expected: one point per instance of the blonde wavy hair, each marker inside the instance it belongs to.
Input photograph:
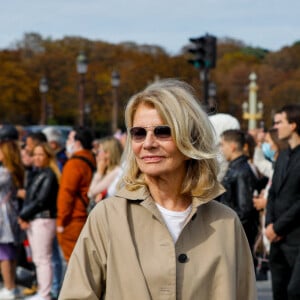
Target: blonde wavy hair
(112, 146)
(177, 105)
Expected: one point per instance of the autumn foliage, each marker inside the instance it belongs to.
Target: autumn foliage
(23, 65)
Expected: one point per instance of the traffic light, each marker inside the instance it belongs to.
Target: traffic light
(204, 52)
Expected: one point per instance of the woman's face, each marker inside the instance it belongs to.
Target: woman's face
(27, 160)
(156, 157)
(40, 158)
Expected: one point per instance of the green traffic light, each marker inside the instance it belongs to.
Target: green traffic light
(197, 65)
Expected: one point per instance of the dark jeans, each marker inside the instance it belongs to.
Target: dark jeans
(285, 270)
(58, 268)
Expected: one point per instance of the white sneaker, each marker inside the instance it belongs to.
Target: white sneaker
(37, 296)
(6, 294)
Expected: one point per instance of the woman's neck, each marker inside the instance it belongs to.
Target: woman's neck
(167, 194)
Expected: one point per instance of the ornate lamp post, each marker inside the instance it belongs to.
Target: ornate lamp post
(252, 111)
(115, 83)
(43, 90)
(82, 66)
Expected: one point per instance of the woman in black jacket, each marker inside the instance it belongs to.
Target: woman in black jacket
(38, 216)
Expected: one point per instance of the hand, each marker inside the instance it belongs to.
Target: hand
(271, 234)
(259, 202)
(23, 224)
(59, 229)
(21, 193)
(100, 196)
(101, 166)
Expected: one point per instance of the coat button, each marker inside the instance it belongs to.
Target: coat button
(182, 258)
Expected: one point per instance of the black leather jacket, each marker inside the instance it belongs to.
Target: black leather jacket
(40, 200)
(240, 183)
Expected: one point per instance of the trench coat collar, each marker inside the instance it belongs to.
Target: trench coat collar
(143, 193)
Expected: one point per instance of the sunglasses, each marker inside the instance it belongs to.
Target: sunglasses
(138, 134)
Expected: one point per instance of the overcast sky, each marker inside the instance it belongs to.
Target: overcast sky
(270, 24)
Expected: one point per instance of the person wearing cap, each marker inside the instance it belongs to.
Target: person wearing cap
(11, 178)
(8, 132)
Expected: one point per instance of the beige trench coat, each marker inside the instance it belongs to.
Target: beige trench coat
(125, 252)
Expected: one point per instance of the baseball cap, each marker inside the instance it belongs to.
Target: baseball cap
(8, 132)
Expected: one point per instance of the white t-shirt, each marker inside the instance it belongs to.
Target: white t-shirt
(174, 220)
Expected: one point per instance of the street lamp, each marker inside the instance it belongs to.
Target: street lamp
(43, 90)
(252, 111)
(115, 83)
(82, 66)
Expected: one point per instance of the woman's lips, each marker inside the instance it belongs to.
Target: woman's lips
(152, 158)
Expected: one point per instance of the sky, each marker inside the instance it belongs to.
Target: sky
(269, 24)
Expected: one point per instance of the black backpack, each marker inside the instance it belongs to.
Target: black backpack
(88, 205)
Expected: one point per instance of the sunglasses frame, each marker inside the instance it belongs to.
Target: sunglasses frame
(159, 135)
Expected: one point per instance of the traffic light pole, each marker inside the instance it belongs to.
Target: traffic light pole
(205, 86)
(204, 55)
(204, 78)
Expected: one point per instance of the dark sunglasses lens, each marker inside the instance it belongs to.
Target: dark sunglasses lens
(138, 133)
(162, 131)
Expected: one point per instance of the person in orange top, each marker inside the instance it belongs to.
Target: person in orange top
(72, 198)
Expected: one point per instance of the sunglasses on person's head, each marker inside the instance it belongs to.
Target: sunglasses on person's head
(138, 134)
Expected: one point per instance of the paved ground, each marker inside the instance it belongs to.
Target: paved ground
(264, 290)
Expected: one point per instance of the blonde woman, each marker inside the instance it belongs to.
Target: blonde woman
(163, 236)
(38, 216)
(108, 167)
(11, 178)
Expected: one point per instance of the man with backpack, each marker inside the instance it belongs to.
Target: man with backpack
(72, 198)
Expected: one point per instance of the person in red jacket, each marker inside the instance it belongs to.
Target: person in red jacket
(72, 198)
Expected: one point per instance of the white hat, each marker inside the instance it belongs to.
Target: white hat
(53, 134)
(222, 122)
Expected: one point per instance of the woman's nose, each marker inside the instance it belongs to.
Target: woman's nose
(150, 140)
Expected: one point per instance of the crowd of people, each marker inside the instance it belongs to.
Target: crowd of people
(46, 187)
(185, 205)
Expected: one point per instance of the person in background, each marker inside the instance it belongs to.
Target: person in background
(283, 209)
(266, 154)
(276, 118)
(222, 122)
(11, 178)
(240, 182)
(31, 140)
(108, 166)
(34, 138)
(24, 255)
(249, 150)
(162, 235)
(55, 140)
(72, 201)
(114, 184)
(38, 214)
(96, 143)
(27, 161)
(267, 151)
